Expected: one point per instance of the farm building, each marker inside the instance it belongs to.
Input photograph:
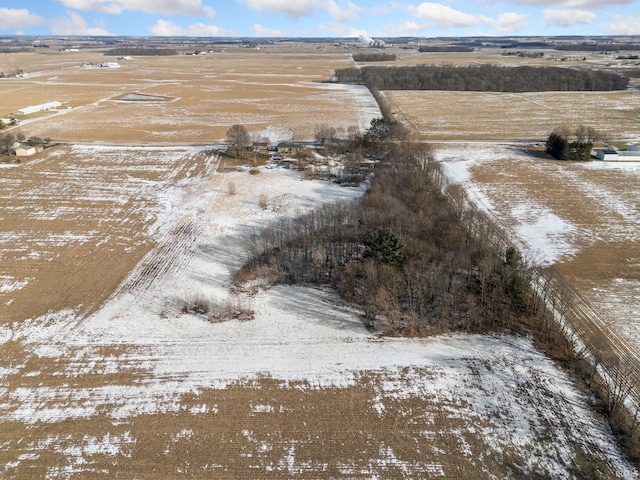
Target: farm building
(631, 155)
(43, 107)
(26, 151)
(607, 154)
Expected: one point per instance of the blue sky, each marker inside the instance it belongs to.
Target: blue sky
(319, 18)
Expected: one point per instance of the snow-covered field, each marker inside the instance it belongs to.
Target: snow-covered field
(83, 394)
(122, 383)
(580, 217)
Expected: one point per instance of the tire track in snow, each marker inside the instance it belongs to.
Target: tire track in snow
(176, 247)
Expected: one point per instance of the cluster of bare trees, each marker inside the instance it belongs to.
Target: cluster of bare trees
(14, 73)
(238, 138)
(482, 78)
(401, 252)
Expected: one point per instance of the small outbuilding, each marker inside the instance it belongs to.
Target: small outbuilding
(630, 155)
(26, 151)
(607, 154)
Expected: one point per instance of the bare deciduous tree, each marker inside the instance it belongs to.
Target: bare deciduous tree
(323, 133)
(238, 137)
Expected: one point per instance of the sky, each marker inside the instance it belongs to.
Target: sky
(320, 18)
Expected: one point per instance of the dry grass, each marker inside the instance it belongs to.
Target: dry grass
(469, 116)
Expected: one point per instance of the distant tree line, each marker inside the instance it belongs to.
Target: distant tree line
(445, 49)
(16, 49)
(482, 78)
(597, 47)
(140, 51)
(524, 54)
(374, 57)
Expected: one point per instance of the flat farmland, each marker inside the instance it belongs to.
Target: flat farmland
(470, 116)
(106, 238)
(75, 221)
(197, 97)
(137, 388)
(578, 217)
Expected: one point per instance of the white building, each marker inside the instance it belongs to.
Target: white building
(607, 154)
(26, 151)
(631, 155)
(43, 107)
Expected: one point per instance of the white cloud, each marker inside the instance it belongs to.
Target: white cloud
(622, 25)
(443, 15)
(11, 18)
(164, 28)
(583, 4)
(291, 8)
(567, 17)
(261, 31)
(343, 30)
(386, 8)
(74, 24)
(341, 10)
(507, 22)
(162, 7)
(404, 29)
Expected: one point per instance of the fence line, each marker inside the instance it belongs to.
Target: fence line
(616, 360)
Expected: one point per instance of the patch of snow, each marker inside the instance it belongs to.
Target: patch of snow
(547, 235)
(10, 284)
(276, 134)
